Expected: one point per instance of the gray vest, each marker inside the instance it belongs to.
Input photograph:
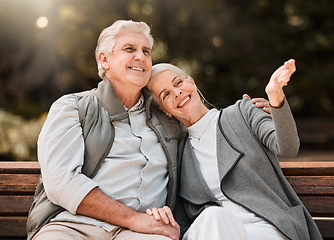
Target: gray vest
(98, 140)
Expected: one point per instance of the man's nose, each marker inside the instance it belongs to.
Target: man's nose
(139, 55)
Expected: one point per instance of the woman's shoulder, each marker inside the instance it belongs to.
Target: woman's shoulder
(243, 110)
(241, 105)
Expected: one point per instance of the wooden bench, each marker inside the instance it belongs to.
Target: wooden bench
(18, 181)
(313, 182)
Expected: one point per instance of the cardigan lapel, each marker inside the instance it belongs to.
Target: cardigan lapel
(192, 178)
(227, 154)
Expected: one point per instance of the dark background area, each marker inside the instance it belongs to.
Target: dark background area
(229, 47)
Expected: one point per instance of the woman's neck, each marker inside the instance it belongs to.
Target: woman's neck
(194, 117)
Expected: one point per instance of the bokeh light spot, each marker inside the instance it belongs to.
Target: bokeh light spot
(42, 22)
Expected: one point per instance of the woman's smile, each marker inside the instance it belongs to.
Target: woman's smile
(184, 101)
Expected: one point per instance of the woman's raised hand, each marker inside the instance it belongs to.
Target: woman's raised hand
(278, 80)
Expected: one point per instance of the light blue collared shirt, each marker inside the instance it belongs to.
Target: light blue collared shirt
(134, 172)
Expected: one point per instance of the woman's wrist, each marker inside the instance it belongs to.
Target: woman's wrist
(276, 99)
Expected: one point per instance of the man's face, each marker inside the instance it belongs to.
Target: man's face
(129, 65)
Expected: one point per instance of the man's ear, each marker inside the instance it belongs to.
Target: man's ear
(104, 60)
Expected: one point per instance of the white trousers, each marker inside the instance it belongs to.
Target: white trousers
(217, 223)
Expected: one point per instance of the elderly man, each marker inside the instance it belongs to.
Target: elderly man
(107, 155)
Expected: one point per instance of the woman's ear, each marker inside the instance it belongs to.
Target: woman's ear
(104, 60)
(191, 79)
(167, 113)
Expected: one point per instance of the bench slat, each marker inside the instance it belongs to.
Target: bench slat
(326, 227)
(308, 168)
(19, 167)
(18, 183)
(13, 227)
(312, 185)
(319, 206)
(15, 205)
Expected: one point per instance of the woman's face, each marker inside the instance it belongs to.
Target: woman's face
(177, 95)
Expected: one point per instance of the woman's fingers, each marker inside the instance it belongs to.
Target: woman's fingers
(156, 214)
(165, 214)
(286, 71)
(170, 218)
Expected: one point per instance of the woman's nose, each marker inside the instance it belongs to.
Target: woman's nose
(177, 93)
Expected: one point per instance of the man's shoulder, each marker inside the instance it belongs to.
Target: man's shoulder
(90, 92)
(72, 98)
(86, 98)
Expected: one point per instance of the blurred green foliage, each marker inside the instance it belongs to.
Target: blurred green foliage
(229, 47)
(18, 137)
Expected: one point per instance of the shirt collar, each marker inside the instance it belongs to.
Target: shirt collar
(138, 106)
(197, 129)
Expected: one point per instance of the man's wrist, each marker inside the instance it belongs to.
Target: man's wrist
(131, 220)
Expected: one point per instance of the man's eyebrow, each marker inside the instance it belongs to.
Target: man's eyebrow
(147, 48)
(128, 44)
(135, 45)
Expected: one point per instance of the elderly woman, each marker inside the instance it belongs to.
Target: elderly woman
(231, 184)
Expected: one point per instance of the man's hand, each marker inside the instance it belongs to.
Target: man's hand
(259, 102)
(100, 206)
